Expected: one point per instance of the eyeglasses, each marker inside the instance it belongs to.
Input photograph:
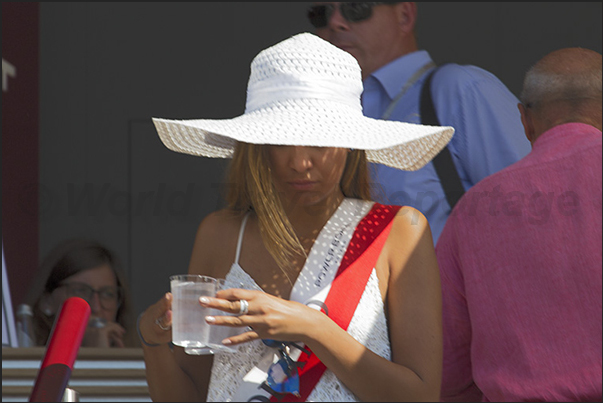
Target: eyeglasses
(109, 297)
(283, 375)
(320, 15)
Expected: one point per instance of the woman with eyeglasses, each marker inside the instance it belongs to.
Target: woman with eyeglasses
(337, 297)
(86, 269)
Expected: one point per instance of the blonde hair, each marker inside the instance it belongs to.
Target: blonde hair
(250, 187)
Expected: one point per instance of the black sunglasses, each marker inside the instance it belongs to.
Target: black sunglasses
(320, 15)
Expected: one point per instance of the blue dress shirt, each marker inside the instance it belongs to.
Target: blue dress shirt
(488, 134)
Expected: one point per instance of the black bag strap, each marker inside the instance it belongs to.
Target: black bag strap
(444, 166)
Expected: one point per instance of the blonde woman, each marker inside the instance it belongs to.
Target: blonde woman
(338, 295)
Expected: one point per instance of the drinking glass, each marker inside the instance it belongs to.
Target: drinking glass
(219, 333)
(189, 328)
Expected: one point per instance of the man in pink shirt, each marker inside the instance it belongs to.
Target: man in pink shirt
(520, 256)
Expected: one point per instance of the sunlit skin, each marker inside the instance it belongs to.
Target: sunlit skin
(307, 181)
(387, 35)
(97, 278)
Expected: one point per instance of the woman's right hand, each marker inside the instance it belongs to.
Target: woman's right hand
(101, 333)
(156, 316)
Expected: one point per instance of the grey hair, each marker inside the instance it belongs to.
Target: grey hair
(544, 84)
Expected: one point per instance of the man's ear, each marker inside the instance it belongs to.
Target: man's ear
(526, 121)
(407, 15)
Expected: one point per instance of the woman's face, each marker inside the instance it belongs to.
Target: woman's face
(307, 176)
(98, 286)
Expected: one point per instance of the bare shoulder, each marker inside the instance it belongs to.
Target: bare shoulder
(219, 221)
(410, 237)
(411, 224)
(215, 243)
(408, 249)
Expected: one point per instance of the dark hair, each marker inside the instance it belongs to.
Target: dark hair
(65, 260)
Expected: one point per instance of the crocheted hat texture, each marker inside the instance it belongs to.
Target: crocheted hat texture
(305, 91)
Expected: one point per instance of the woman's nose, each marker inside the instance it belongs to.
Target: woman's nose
(300, 159)
(95, 306)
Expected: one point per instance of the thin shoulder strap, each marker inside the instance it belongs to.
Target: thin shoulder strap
(240, 240)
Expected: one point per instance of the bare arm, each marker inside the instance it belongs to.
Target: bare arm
(414, 318)
(175, 375)
(169, 377)
(414, 305)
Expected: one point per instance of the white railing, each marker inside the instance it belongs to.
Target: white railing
(99, 375)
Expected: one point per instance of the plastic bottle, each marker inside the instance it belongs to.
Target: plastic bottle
(25, 329)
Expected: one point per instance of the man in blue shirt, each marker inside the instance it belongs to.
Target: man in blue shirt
(488, 132)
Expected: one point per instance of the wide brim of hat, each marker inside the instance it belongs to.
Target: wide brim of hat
(399, 145)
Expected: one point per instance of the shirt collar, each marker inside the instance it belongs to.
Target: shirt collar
(560, 134)
(395, 74)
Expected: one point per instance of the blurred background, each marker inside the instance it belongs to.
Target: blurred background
(81, 81)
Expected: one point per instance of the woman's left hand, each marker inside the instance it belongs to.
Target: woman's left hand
(269, 317)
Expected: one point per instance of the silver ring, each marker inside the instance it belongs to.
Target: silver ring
(158, 323)
(244, 309)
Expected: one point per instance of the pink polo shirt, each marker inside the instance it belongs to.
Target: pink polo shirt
(521, 267)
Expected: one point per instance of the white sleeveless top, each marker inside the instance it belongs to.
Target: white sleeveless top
(368, 325)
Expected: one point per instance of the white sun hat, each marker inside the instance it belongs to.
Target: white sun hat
(305, 91)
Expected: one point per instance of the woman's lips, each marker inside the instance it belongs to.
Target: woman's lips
(302, 185)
